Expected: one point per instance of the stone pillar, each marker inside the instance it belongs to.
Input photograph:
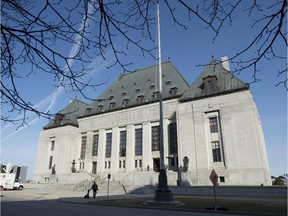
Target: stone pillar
(147, 158)
(130, 148)
(165, 141)
(101, 151)
(115, 150)
(88, 153)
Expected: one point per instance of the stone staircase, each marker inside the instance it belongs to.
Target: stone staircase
(115, 187)
(139, 189)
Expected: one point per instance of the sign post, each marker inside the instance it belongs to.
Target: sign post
(214, 179)
(109, 176)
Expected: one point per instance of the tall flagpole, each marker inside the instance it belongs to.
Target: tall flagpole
(162, 166)
(162, 193)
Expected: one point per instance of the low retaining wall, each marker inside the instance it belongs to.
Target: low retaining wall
(255, 191)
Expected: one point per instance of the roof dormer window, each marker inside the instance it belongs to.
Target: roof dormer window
(100, 108)
(210, 84)
(173, 90)
(88, 110)
(152, 86)
(124, 93)
(125, 102)
(112, 105)
(140, 99)
(156, 95)
(59, 118)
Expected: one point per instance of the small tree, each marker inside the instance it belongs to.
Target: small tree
(280, 180)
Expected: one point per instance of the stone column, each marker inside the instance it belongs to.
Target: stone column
(101, 151)
(88, 152)
(147, 158)
(130, 148)
(165, 141)
(115, 150)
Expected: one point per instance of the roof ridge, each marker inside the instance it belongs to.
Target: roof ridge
(143, 69)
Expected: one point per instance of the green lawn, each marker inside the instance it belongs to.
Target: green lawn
(273, 206)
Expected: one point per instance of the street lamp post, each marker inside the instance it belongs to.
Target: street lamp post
(162, 193)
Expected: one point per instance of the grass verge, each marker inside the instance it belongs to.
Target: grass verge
(261, 206)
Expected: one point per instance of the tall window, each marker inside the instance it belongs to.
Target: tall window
(216, 151)
(108, 145)
(95, 145)
(155, 138)
(50, 162)
(213, 122)
(173, 138)
(83, 148)
(122, 150)
(138, 141)
(52, 145)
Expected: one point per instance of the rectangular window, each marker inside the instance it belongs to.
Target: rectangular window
(108, 145)
(52, 145)
(155, 130)
(95, 145)
(136, 163)
(83, 148)
(216, 151)
(138, 141)
(173, 138)
(213, 122)
(122, 145)
(140, 163)
(50, 162)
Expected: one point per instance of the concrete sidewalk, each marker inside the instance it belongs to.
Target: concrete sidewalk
(82, 200)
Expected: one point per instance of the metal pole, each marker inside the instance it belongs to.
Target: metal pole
(162, 166)
(162, 194)
(108, 189)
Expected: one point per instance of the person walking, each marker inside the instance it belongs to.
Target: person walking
(94, 188)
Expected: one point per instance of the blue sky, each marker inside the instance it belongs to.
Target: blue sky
(186, 49)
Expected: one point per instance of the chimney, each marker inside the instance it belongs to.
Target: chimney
(225, 63)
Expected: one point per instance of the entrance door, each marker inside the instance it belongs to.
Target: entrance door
(94, 167)
(156, 164)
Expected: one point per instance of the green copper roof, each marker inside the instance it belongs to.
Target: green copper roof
(140, 87)
(68, 116)
(225, 82)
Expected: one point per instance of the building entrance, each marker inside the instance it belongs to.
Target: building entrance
(156, 164)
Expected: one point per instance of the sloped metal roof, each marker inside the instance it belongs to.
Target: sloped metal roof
(226, 82)
(68, 115)
(140, 83)
(141, 87)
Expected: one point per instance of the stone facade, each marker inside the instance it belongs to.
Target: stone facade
(218, 130)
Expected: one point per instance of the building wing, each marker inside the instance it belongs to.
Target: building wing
(68, 116)
(214, 80)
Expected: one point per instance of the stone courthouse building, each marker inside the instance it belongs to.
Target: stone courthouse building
(211, 124)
